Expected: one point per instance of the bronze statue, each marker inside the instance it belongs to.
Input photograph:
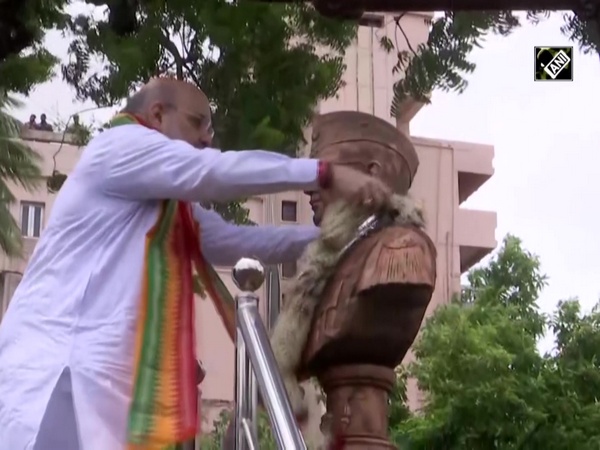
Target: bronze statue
(349, 319)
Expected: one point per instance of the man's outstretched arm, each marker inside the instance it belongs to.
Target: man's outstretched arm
(223, 243)
(142, 164)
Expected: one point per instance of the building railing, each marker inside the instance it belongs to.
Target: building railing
(30, 134)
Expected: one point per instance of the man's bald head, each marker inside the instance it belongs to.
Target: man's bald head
(142, 99)
(178, 109)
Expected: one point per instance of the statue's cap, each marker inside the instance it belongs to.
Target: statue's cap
(344, 127)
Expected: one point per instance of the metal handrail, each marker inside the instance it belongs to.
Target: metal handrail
(256, 369)
(273, 296)
(255, 362)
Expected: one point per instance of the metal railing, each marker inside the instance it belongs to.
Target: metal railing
(256, 369)
(273, 294)
(255, 365)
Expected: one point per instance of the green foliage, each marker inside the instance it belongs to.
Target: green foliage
(399, 411)
(234, 212)
(487, 385)
(20, 73)
(257, 62)
(24, 62)
(19, 165)
(213, 440)
(512, 280)
(81, 132)
(443, 61)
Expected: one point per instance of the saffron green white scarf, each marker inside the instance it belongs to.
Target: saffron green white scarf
(164, 408)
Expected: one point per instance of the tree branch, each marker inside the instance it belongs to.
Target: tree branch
(172, 49)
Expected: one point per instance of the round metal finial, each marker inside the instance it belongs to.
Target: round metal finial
(248, 274)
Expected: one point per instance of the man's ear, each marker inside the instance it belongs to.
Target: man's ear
(374, 168)
(156, 112)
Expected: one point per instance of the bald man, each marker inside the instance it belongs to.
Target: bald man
(67, 341)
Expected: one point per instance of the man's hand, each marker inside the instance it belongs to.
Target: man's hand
(359, 188)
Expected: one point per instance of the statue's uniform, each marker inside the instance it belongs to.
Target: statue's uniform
(67, 339)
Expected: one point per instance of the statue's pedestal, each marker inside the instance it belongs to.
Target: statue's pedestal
(357, 405)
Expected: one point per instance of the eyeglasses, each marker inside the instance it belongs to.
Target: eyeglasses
(199, 121)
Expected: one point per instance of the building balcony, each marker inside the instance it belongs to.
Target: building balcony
(28, 134)
(475, 236)
(474, 166)
(472, 163)
(58, 150)
(407, 110)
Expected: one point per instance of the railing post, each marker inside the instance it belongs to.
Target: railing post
(241, 379)
(248, 279)
(273, 291)
(248, 275)
(252, 403)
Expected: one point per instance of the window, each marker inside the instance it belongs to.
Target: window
(288, 270)
(289, 211)
(32, 217)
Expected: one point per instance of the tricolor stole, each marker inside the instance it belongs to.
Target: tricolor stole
(164, 408)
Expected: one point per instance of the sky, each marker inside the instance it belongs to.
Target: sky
(546, 186)
(547, 154)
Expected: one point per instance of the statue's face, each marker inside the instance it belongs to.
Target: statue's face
(316, 205)
(339, 154)
(365, 143)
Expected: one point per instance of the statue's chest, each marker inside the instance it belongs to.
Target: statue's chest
(339, 300)
(384, 284)
(339, 296)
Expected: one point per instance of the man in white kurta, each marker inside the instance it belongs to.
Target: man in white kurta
(67, 339)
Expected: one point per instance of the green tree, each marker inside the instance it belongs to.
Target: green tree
(442, 62)
(24, 63)
(258, 64)
(19, 165)
(487, 386)
(23, 24)
(214, 439)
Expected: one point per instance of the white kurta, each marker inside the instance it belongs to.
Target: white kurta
(76, 307)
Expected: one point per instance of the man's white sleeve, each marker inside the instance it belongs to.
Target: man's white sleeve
(140, 163)
(223, 243)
